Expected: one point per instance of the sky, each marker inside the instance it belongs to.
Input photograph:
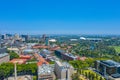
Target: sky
(60, 16)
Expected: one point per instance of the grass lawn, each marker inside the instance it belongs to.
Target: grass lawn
(117, 48)
(34, 77)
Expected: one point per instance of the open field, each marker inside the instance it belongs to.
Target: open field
(117, 48)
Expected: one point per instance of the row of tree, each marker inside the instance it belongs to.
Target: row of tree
(7, 69)
(92, 49)
(87, 75)
(13, 54)
(80, 66)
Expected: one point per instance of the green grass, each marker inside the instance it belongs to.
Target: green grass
(51, 62)
(117, 48)
(34, 77)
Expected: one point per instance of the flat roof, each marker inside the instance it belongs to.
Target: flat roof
(3, 50)
(111, 63)
(59, 63)
(19, 61)
(63, 65)
(25, 56)
(93, 38)
(16, 49)
(62, 51)
(117, 75)
(28, 51)
(4, 54)
(45, 51)
(45, 69)
(70, 55)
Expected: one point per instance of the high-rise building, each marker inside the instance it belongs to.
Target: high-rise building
(16, 37)
(26, 37)
(9, 35)
(0, 40)
(4, 36)
(47, 41)
(63, 71)
(0, 36)
(44, 37)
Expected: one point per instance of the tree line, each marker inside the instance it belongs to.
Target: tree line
(7, 69)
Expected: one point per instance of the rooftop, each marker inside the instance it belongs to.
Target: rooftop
(111, 63)
(4, 54)
(45, 51)
(117, 75)
(3, 50)
(19, 61)
(15, 49)
(93, 38)
(59, 63)
(52, 40)
(64, 65)
(45, 69)
(40, 59)
(28, 51)
(55, 48)
(25, 56)
(62, 51)
(40, 47)
(70, 55)
(40, 63)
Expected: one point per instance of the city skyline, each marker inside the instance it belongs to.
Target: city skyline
(60, 17)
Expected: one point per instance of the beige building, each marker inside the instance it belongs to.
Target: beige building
(4, 57)
(13, 49)
(63, 71)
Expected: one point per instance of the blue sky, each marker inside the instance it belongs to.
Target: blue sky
(60, 16)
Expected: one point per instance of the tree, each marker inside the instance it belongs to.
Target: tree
(13, 55)
(7, 69)
(75, 76)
